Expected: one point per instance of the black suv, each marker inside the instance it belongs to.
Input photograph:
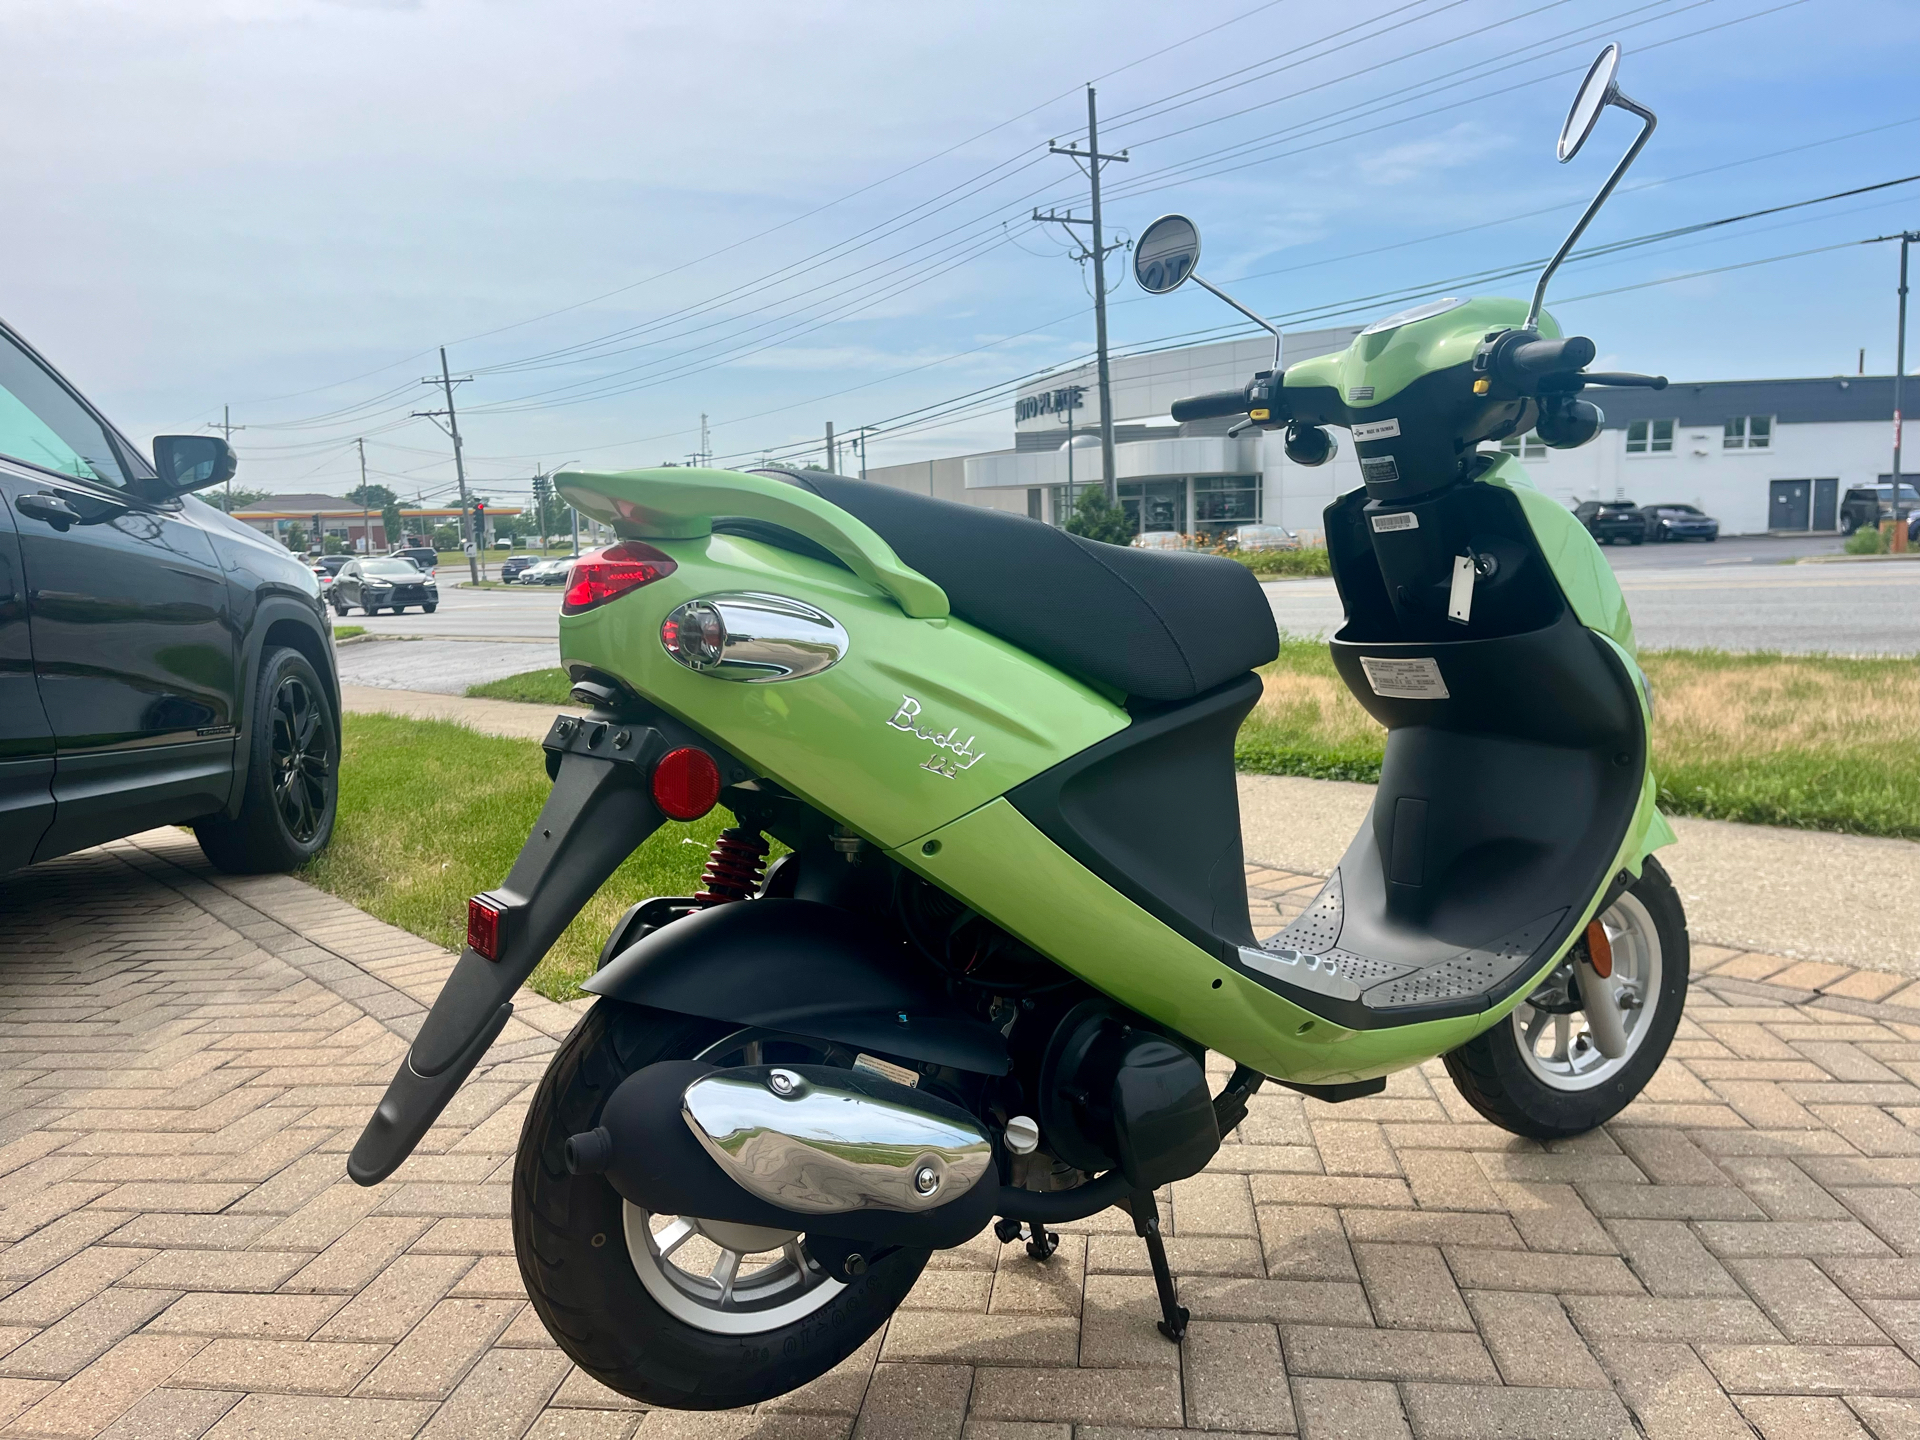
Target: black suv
(1611, 520)
(160, 663)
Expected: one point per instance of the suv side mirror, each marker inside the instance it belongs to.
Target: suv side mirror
(192, 462)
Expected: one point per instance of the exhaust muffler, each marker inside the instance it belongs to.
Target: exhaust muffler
(797, 1147)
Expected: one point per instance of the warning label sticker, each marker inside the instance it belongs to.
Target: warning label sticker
(1415, 679)
(1376, 429)
(1399, 520)
(1378, 469)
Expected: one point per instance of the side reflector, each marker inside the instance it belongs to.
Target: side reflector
(483, 926)
(686, 783)
(1599, 949)
(603, 575)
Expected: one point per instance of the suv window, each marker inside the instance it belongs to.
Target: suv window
(42, 424)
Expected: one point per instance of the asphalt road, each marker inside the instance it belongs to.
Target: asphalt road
(1737, 594)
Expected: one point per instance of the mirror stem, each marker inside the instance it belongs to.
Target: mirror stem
(1259, 320)
(1633, 153)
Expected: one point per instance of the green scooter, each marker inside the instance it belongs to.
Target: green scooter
(1008, 915)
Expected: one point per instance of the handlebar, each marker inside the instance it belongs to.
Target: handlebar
(1212, 406)
(1621, 379)
(1547, 357)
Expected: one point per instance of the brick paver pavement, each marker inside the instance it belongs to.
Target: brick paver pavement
(188, 1058)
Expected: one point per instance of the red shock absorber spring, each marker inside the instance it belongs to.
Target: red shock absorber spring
(733, 867)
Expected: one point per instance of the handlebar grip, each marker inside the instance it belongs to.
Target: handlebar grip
(1211, 406)
(1550, 357)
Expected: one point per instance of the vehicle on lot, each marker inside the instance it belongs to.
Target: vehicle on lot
(424, 556)
(389, 584)
(325, 567)
(160, 662)
(547, 572)
(1011, 920)
(511, 567)
(1611, 520)
(1675, 521)
(1870, 504)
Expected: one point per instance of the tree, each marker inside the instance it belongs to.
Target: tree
(297, 538)
(379, 497)
(1095, 517)
(446, 537)
(221, 500)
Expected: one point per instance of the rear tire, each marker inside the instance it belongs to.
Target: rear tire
(293, 774)
(572, 1236)
(1495, 1075)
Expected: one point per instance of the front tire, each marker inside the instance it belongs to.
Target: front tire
(661, 1339)
(1569, 1088)
(293, 775)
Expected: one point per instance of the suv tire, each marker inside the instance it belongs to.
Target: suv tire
(293, 774)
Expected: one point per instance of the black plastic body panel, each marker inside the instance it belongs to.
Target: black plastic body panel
(802, 968)
(1155, 812)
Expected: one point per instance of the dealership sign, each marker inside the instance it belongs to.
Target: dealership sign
(1048, 402)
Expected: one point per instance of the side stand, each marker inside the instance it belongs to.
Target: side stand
(1041, 1242)
(1146, 1224)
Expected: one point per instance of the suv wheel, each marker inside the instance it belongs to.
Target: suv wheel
(292, 788)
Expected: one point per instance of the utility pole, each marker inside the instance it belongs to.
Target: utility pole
(366, 520)
(833, 452)
(227, 427)
(706, 443)
(1907, 237)
(1090, 161)
(446, 382)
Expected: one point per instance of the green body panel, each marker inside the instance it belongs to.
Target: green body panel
(1394, 359)
(1006, 868)
(990, 714)
(1585, 577)
(681, 503)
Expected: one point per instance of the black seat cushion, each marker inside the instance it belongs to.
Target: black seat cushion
(1157, 624)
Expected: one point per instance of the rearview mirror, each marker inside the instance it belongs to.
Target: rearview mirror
(1166, 254)
(1595, 91)
(192, 462)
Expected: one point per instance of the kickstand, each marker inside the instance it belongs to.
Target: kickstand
(1041, 1242)
(1146, 1224)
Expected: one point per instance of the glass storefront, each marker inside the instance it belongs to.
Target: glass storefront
(1155, 504)
(1225, 502)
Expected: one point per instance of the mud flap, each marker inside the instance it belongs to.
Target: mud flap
(600, 810)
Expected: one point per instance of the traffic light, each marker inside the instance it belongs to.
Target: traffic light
(542, 488)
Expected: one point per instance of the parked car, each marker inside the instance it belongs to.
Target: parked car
(513, 565)
(160, 662)
(547, 572)
(1675, 521)
(425, 556)
(1870, 504)
(1611, 520)
(389, 584)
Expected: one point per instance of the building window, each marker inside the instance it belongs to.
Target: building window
(1749, 432)
(1650, 437)
(1222, 502)
(1034, 512)
(1525, 447)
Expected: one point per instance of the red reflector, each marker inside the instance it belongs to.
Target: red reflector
(483, 927)
(603, 575)
(686, 783)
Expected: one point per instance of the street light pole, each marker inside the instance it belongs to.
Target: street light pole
(1907, 237)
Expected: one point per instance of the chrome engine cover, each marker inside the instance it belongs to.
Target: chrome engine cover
(821, 1141)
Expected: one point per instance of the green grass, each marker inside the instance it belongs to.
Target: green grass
(1811, 742)
(1308, 560)
(431, 813)
(535, 687)
(347, 632)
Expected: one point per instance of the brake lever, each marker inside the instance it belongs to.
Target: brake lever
(1622, 379)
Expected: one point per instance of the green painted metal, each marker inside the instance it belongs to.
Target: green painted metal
(680, 503)
(1393, 359)
(1585, 577)
(923, 719)
(1007, 869)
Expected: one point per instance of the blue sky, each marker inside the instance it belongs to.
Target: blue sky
(617, 217)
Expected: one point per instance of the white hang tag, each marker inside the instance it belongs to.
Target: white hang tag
(1460, 598)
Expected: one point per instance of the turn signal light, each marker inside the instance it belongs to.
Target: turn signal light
(686, 783)
(603, 575)
(483, 926)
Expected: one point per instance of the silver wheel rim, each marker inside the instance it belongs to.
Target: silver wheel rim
(720, 1277)
(1559, 1049)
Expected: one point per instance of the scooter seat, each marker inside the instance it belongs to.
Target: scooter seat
(1156, 624)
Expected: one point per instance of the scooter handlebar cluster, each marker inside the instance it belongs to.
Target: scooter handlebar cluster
(1211, 406)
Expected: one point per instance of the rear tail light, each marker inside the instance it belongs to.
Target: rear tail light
(603, 575)
(686, 783)
(484, 914)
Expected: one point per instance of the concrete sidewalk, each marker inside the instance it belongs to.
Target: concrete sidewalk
(1799, 893)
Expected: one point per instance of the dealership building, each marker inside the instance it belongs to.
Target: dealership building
(1760, 455)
